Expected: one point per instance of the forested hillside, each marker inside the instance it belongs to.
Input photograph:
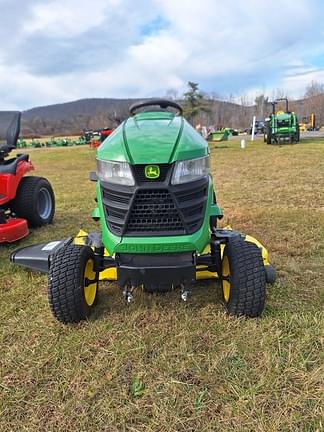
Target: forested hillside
(73, 117)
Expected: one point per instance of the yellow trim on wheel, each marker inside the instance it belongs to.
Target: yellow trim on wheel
(226, 284)
(90, 289)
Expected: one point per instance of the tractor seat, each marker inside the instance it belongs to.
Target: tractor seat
(9, 166)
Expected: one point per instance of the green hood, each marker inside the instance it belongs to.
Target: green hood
(153, 137)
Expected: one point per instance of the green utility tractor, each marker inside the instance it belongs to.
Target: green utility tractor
(282, 126)
(158, 214)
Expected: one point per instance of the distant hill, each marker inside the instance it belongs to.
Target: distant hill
(74, 117)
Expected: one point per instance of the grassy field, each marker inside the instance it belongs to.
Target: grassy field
(161, 365)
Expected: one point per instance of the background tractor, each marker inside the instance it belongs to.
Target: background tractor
(281, 126)
(308, 123)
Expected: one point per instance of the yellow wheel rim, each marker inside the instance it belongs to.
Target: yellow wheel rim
(90, 285)
(226, 284)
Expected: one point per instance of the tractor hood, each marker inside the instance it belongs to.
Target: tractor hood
(153, 137)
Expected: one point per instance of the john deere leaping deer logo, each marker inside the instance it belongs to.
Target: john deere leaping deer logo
(152, 172)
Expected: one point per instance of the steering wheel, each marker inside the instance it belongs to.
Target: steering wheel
(162, 103)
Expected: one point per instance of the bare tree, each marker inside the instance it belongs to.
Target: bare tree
(171, 94)
(261, 102)
(315, 88)
(314, 102)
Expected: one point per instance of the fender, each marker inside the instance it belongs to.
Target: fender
(9, 182)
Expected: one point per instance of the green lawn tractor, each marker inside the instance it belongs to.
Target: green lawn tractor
(158, 214)
(282, 126)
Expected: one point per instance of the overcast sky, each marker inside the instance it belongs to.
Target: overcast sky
(61, 50)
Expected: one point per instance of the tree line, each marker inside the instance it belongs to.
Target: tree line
(199, 108)
(204, 109)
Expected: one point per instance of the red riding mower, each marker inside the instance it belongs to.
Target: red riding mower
(24, 201)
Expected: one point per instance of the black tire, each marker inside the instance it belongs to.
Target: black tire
(246, 277)
(267, 133)
(271, 274)
(67, 284)
(298, 134)
(34, 201)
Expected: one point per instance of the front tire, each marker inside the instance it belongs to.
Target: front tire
(34, 201)
(267, 133)
(72, 283)
(243, 279)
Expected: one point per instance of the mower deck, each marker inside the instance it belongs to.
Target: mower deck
(13, 229)
(38, 257)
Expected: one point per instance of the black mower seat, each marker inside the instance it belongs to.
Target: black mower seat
(9, 166)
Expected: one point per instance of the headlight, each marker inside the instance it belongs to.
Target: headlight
(115, 172)
(190, 170)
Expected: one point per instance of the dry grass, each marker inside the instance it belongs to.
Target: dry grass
(161, 365)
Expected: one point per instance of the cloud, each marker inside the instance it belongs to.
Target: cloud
(69, 49)
(296, 83)
(21, 87)
(67, 19)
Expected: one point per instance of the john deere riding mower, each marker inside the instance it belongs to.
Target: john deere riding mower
(158, 214)
(281, 126)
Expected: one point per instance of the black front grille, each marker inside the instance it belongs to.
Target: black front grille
(139, 171)
(160, 211)
(154, 210)
(116, 205)
(191, 201)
